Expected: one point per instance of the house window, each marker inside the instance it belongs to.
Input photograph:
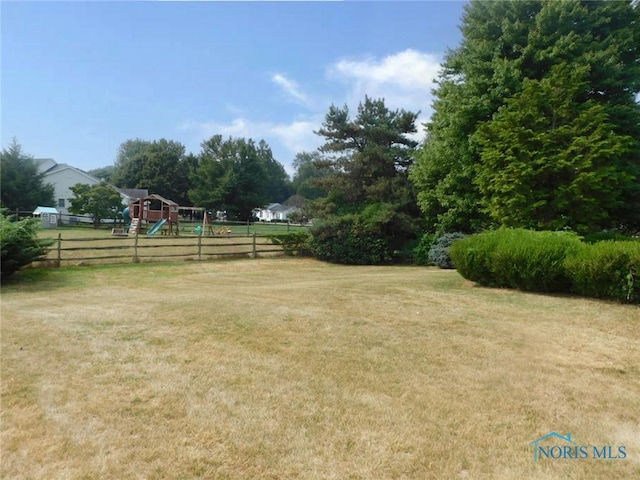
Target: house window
(61, 202)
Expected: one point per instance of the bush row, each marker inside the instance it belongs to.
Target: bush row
(550, 262)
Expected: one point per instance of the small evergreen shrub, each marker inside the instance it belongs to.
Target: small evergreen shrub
(439, 251)
(609, 269)
(20, 245)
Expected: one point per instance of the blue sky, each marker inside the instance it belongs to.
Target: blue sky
(80, 78)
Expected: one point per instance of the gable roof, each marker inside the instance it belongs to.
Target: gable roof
(60, 167)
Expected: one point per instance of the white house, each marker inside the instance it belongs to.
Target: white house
(63, 177)
(274, 212)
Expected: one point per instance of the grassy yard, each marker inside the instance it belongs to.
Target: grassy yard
(292, 368)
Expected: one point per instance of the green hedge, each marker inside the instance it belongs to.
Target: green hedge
(550, 262)
(609, 269)
(349, 240)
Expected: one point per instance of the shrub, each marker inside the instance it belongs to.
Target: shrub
(534, 261)
(439, 251)
(348, 240)
(421, 251)
(517, 258)
(550, 262)
(609, 269)
(20, 245)
(472, 258)
(295, 243)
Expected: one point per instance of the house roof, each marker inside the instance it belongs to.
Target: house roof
(40, 210)
(134, 193)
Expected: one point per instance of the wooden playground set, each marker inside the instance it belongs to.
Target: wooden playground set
(154, 213)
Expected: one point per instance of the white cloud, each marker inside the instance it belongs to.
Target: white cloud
(404, 80)
(290, 87)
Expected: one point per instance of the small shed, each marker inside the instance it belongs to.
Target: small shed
(48, 215)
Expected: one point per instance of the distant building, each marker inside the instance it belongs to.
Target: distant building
(274, 212)
(63, 177)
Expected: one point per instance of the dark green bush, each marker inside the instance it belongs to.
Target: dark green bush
(294, 243)
(439, 251)
(550, 262)
(607, 269)
(517, 258)
(348, 240)
(612, 235)
(20, 245)
(472, 258)
(534, 261)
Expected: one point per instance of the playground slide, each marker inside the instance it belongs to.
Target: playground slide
(157, 226)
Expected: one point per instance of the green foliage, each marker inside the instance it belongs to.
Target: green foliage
(581, 187)
(19, 243)
(99, 201)
(421, 251)
(349, 240)
(439, 251)
(294, 243)
(550, 262)
(159, 166)
(535, 122)
(308, 175)
(363, 171)
(103, 173)
(516, 258)
(236, 176)
(606, 269)
(21, 186)
(609, 235)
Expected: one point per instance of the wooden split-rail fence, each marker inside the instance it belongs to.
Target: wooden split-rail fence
(142, 248)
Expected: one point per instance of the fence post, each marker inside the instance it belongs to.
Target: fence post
(135, 248)
(199, 246)
(59, 259)
(254, 254)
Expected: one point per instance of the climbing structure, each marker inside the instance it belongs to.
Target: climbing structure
(147, 212)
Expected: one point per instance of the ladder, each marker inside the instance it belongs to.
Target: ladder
(133, 228)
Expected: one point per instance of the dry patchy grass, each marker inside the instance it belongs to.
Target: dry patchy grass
(291, 368)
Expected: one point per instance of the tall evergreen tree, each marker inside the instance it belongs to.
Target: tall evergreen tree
(22, 186)
(511, 52)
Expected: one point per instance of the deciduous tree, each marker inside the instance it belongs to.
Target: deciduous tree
(100, 201)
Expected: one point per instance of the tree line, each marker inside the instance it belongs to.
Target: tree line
(535, 124)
